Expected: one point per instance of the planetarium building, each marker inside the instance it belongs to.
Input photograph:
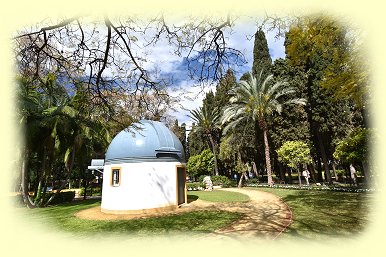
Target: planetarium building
(144, 170)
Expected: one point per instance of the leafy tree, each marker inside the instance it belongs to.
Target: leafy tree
(207, 122)
(180, 132)
(293, 154)
(233, 152)
(193, 166)
(56, 129)
(313, 44)
(257, 99)
(223, 88)
(356, 149)
(292, 124)
(197, 141)
(323, 37)
(201, 164)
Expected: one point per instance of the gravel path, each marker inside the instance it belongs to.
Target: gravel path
(265, 216)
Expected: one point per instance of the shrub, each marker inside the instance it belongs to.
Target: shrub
(201, 178)
(62, 197)
(229, 183)
(252, 181)
(340, 172)
(358, 173)
(220, 180)
(200, 164)
(95, 191)
(194, 186)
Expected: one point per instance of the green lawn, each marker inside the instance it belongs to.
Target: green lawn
(316, 214)
(61, 217)
(322, 214)
(218, 196)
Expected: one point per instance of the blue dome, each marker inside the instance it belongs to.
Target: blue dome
(145, 141)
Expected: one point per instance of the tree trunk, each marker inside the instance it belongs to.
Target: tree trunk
(57, 192)
(69, 166)
(85, 183)
(282, 175)
(299, 176)
(289, 175)
(38, 195)
(267, 157)
(214, 153)
(39, 191)
(241, 181)
(319, 171)
(24, 181)
(325, 160)
(366, 172)
(255, 169)
(311, 168)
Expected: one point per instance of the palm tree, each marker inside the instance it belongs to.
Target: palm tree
(28, 99)
(207, 121)
(258, 99)
(56, 129)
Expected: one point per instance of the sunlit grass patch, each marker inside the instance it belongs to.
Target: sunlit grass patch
(218, 196)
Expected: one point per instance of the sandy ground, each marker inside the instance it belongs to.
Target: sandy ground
(265, 216)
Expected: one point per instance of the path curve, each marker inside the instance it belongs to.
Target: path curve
(265, 216)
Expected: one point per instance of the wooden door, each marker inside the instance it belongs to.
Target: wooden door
(181, 185)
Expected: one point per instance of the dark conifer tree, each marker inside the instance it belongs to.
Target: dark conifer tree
(261, 59)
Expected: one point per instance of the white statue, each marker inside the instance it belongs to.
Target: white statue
(208, 183)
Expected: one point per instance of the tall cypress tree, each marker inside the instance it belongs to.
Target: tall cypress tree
(261, 62)
(261, 58)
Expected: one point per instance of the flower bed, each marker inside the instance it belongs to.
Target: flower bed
(318, 188)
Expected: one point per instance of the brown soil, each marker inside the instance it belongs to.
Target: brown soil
(264, 216)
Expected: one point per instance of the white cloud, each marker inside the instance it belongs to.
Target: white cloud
(241, 37)
(191, 98)
(276, 46)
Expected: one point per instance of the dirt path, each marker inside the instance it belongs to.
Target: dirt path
(265, 216)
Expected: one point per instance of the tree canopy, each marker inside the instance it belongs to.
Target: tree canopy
(294, 153)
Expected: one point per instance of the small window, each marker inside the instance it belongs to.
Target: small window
(115, 177)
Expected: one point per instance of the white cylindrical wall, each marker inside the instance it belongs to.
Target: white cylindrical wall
(141, 186)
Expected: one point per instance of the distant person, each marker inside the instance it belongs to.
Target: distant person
(306, 175)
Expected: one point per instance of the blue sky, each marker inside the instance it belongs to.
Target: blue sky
(241, 38)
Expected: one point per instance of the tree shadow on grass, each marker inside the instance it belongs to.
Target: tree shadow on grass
(192, 198)
(321, 214)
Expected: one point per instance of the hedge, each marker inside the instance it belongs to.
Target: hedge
(62, 197)
(194, 186)
(317, 188)
(95, 191)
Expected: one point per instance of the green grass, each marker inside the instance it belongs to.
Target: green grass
(61, 217)
(218, 196)
(322, 215)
